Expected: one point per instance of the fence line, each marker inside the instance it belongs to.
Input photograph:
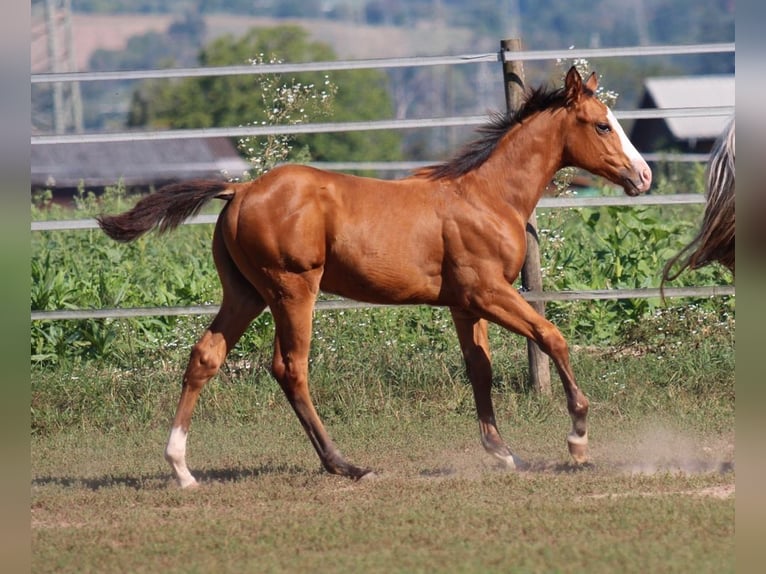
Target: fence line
(501, 56)
(386, 63)
(668, 157)
(369, 166)
(330, 127)
(545, 202)
(342, 304)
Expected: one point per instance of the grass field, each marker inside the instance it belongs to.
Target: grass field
(103, 504)
(659, 496)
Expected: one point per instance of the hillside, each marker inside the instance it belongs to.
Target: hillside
(92, 32)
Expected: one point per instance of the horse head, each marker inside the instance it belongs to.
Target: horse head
(595, 141)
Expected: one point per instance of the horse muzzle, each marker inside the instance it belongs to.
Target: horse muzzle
(637, 179)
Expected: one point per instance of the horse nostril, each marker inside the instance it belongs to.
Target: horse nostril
(646, 176)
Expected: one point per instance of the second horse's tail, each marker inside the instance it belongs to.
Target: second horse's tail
(165, 209)
(715, 239)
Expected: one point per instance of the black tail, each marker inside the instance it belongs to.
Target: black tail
(165, 209)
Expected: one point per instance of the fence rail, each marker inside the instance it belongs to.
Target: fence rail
(333, 127)
(386, 63)
(545, 202)
(341, 304)
(332, 305)
(502, 55)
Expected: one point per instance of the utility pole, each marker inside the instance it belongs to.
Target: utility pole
(67, 101)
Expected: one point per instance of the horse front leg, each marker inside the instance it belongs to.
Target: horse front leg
(512, 312)
(474, 343)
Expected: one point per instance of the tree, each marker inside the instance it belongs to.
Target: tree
(178, 46)
(235, 100)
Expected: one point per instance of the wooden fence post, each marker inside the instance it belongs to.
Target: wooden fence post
(531, 275)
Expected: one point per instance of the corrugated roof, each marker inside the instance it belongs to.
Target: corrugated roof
(136, 163)
(693, 91)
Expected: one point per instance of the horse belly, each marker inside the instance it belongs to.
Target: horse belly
(380, 277)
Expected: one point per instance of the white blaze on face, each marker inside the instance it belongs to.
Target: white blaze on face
(638, 162)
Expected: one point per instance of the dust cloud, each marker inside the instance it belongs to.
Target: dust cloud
(662, 449)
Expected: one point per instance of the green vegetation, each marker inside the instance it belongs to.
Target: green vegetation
(237, 100)
(619, 248)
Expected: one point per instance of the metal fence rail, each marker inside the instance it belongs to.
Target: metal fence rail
(333, 127)
(332, 305)
(503, 55)
(386, 63)
(545, 202)
(340, 304)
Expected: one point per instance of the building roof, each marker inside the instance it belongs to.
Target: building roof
(135, 163)
(692, 91)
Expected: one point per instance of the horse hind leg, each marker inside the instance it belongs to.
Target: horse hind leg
(240, 305)
(293, 319)
(206, 358)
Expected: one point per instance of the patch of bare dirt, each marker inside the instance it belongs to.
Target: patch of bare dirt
(722, 491)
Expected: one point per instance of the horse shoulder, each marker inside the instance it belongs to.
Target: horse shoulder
(488, 239)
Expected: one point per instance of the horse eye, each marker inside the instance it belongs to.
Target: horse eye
(603, 128)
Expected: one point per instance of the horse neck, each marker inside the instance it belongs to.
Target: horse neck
(525, 160)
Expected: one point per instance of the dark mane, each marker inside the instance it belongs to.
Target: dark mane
(476, 153)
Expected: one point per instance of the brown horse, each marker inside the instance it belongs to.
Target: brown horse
(715, 239)
(450, 235)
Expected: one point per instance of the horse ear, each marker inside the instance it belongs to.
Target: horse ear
(573, 86)
(592, 82)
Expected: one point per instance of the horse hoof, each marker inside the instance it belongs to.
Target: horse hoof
(509, 461)
(579, 452)
(368, 476)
